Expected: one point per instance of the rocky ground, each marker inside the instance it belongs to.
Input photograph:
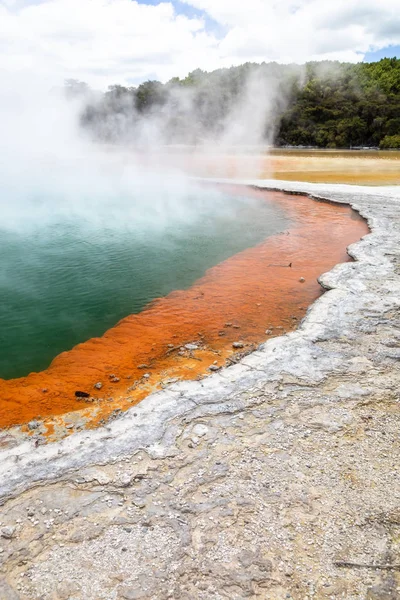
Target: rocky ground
(276, 478)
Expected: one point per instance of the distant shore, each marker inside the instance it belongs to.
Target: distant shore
(355, 167)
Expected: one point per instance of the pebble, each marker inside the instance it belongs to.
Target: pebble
(33, 425)
(200, 430)
(125, 480)
(98, 385)
(139, 503)
(238, 345)
(79, 394)
(191, 347)
(7, 532)
(302, 280)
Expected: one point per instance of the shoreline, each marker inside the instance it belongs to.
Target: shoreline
(268, 476)
(165, 402)
(235, 302)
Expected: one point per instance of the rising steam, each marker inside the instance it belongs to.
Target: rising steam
(230, 108)
(97, 158)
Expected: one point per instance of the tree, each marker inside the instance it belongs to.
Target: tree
(322, 104)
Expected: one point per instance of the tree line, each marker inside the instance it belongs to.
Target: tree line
(320, 104)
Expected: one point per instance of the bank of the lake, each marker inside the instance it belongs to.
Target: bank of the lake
(254, 295)
(275, 478)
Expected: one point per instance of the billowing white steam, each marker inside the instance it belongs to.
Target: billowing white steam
(51, 170)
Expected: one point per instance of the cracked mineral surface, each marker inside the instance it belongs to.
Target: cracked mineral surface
(273, 479)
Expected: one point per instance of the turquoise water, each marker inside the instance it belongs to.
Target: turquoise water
(68, 274)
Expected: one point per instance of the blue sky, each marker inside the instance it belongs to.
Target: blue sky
(182, 8)
(388, 52)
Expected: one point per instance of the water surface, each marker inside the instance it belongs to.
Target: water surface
(71, 277)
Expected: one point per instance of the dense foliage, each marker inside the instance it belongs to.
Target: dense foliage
(329, 105)
(351, 105)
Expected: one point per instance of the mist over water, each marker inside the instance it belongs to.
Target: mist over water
(87, 237)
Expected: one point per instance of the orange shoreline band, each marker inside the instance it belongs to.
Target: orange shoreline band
(236, 302)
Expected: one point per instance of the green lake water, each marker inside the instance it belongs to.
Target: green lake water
(69, 275)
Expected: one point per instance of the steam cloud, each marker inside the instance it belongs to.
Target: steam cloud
(229, 108)
(96, 158)
(51, 172)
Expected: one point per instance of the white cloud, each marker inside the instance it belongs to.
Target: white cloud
(300, 30)
(122, 41)
(102, 41)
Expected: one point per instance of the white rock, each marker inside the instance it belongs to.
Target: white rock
(7, 532)
(200, 430)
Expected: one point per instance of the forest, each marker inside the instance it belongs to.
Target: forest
(319, 104)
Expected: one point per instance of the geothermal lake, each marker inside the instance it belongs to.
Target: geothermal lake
(75, 263)
(75, 273)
